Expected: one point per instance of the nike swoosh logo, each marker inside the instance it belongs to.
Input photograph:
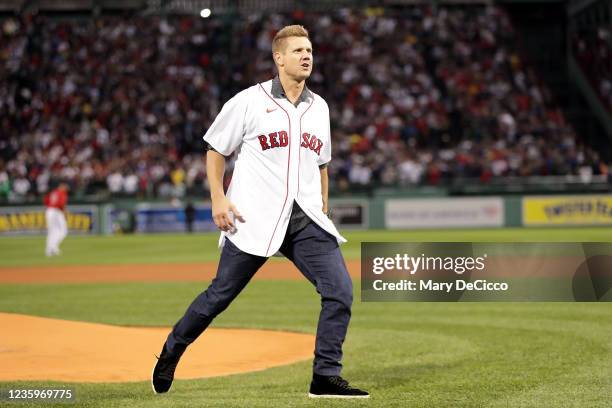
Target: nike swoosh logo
(270, 110)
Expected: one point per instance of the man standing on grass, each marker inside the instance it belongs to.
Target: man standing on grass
(55, 216)
(277, 201)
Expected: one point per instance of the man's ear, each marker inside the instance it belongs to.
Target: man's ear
(278, 58)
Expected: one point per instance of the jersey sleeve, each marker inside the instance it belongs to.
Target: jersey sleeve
(62, 200)
(226, 132)
(325, 155)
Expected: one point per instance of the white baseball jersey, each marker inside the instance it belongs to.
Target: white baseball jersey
(279, 149)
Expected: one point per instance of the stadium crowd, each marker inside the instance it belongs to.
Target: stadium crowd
(593, 51)
(417, 96)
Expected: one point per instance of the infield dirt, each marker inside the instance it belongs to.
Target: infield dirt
(37, 348)
(275, 270)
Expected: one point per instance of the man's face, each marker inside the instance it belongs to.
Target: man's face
(296, 59)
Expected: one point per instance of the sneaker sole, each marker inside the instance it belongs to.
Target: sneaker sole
(310, 395)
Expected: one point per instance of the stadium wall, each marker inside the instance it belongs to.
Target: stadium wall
(387, 212)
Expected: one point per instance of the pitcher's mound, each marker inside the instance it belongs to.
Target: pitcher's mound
(36, 348)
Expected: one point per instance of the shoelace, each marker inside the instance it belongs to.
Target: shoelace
(340, 382)
(168, 368)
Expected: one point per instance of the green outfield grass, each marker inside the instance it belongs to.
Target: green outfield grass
(405, 354)
(172, 248)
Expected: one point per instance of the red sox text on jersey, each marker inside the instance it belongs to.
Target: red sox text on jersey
(280, 139)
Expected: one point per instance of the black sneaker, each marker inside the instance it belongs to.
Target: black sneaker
(163, 373)
(333, 387)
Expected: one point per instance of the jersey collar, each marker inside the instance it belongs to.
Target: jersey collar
(278, 92)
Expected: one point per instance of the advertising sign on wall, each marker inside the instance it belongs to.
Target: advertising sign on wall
(30, 220)
(567, 210)
(349, 213)
(444, 212)
(167, 218)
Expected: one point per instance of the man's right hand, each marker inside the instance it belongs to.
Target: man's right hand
(221, 210)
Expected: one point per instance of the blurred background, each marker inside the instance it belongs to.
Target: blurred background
(444, 113)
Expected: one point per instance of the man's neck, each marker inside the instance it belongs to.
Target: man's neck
(293, 89)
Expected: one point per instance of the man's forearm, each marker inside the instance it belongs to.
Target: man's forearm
(215, 169)
(324, 188)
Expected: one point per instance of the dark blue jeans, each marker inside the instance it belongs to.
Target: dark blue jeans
(316, 254)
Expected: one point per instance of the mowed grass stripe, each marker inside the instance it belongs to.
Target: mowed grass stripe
(184, 248)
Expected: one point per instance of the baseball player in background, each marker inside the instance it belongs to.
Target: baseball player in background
(277, 201)
(57, 228)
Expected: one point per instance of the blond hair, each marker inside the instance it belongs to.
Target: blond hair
(278, 43)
